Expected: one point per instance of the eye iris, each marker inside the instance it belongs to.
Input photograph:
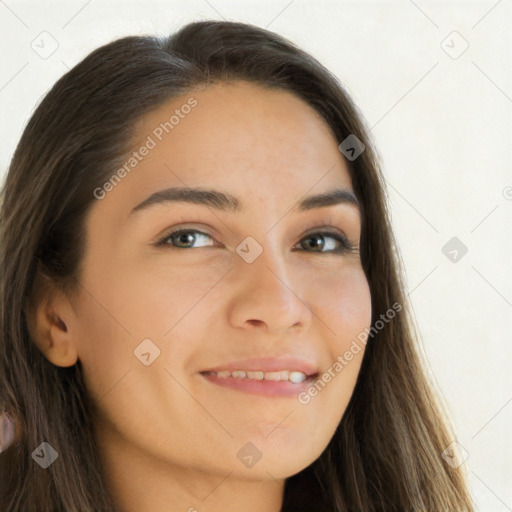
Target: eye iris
(185, 238)
(319, 245)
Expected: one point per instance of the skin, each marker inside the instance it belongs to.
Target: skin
(168, 439)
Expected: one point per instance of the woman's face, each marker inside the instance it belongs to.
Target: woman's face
(254, 288)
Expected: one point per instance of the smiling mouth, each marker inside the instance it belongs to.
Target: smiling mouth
(293, 376)
(282, 383)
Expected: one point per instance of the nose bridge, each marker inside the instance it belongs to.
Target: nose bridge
(267, 291)
(272, 277)
(269, 268)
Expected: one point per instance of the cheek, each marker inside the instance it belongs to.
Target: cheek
(343, 302)
(115, 315)
(105, 345)
(343, 305)
(122, 308)
(151, 300)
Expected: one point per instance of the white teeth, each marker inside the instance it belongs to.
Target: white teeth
(297, 377)
(292, 376)
(255, 375)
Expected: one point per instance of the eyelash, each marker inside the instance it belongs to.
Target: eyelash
(344, 247)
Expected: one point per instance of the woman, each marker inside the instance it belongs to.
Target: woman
(272, 367)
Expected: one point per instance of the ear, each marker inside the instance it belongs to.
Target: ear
(49, 317)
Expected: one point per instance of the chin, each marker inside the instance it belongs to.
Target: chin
(280, 460)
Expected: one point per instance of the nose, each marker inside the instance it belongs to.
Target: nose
(268, 296)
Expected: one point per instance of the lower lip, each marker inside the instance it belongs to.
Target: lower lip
(260, 387)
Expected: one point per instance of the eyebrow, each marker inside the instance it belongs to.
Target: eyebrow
(224, 201)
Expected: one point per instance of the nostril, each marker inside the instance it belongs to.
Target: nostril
(255, 322)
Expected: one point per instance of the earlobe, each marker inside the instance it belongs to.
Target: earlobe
(50, 332)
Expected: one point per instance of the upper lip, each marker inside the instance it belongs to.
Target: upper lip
(269, 364)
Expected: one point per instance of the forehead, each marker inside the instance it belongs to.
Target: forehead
(240, 125)
(237, 116)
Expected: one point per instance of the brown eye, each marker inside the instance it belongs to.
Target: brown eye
(183, 238)
(317, 242)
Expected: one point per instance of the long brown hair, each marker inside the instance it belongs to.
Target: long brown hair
(386, 452)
